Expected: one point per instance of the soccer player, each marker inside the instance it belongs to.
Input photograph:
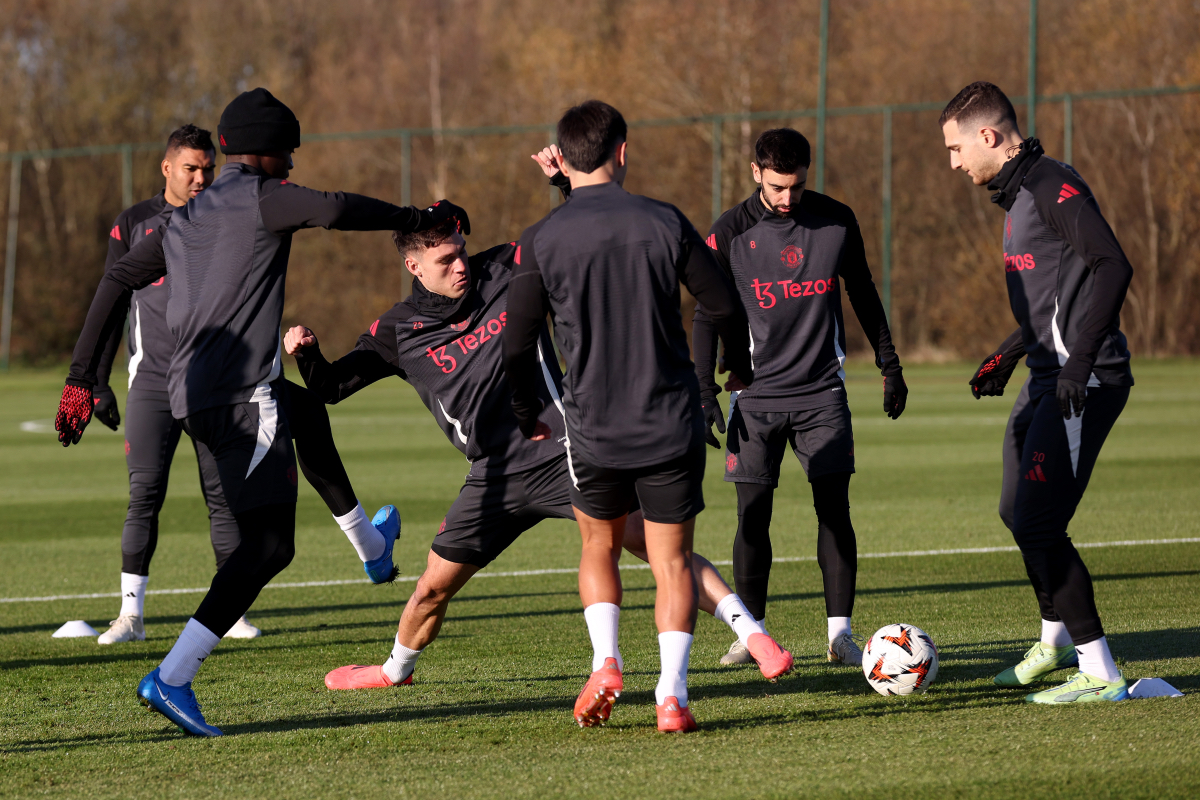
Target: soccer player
(1067, 277)
(151, 433)
(790, 251)
(607, 264)
(227, 252)
(444, 340)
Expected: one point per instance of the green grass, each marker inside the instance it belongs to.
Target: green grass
(490, 712)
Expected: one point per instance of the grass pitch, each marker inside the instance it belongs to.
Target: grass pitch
(489, 714)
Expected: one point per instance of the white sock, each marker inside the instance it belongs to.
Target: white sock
(1055, 634)
(674, 648)
(838, 626)
(191, 648)
(365, 537)
(602, 620)
(133, 594)
(1096, 660)
(732, 611)
(400, 663)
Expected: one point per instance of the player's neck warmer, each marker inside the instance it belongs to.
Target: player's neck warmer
(1008, 181)
(255, 122)
(438, 305)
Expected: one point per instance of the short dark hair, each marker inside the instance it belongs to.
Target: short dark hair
(589, 133)
(190, 137)
(782, 150)
(409, 243)
(980, 102)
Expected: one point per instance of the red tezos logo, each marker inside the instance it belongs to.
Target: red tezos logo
(791, 256)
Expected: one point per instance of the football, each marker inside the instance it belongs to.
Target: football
(900, 659)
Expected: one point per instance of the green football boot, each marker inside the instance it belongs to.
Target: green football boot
(1083, 688)
(1040, 660)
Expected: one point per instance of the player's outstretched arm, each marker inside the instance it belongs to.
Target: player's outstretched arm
(140, 267)
(864, 299)
(287, 207)
(369, 361)
(993, 374)
(528, 305)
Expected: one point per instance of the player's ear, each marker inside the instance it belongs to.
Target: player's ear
(619, 155)
(754, 170)
(413, 266)
(166, 167)
(988, 137)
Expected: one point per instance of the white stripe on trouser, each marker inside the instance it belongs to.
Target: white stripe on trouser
(268, 423)
(558, 404)
(135, 328)
(1074, 426)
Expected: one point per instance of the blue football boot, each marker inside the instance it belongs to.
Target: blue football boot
(387, 522)
(176, 703)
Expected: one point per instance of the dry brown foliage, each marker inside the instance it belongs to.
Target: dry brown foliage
(79, 72)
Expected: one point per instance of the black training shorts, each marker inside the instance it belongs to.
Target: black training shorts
(668, 493)
(252, 445)
(491, 512)
(822, 439)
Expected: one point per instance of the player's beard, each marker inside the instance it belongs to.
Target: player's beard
(771, 207)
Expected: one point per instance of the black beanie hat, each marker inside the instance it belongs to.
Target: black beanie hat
(255, 122)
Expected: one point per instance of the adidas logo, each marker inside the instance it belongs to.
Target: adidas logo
(711, 241)
(1067, 192)
(1036, 474)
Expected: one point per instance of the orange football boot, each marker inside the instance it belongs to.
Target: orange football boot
(673, 719)
(772, 659)
(595, 701)
(360, 677)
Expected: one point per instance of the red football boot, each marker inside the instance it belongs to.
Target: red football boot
(595, 701)
(360, 677)
(674, 719)
(772, 659)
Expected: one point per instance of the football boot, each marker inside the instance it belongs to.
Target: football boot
(125, 628)
(355, 676)
(772, 659)
(675, 719)
(176, 703)
(1083, 688)
(738, 654)
(602, 688)
(387, 522)
(1039, 661)
(844, 650)
(242, 629)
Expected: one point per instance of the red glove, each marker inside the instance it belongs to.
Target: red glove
(74, 413)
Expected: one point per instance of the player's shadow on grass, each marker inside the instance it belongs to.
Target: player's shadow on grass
(168, 734)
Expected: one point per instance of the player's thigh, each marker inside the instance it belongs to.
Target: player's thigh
(601, 493)
(1104, 404)
(1012, 448)
(1047, 492)
(482, 521)
(823, 440)
(151, 432)
(672, 493)
(252, 447)
(755, 445)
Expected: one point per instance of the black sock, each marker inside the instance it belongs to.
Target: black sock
(268, 545)
(316, 451)
(837, 547)
(1066, 580)
(752, 546)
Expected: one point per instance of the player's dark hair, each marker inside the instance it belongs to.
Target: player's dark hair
(589, 133)
(981, 102)
(782, 150)
(409, 243)
(189, 137)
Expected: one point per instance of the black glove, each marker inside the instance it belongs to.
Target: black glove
(106, 407)
(1070, 393)
(993, 374)
(895, 395)
(443, 210)
(712, 414)
(74, 413)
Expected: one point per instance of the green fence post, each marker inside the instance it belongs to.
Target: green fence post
(10, 260)
(127, 175)
(821, 65)
(885, 258)
(1031, 94)
(718, 126)
(1068, 128)
(405, 168)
